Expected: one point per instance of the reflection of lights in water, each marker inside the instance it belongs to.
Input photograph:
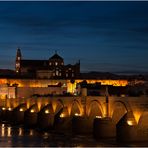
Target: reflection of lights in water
(2, 131)
(98, 117)
(45, 135)
(76, 114)
(31, 132)
(20, 132)
(3, 108)
(46, 111)
(9, 131)
(32, 110)
(21, 110)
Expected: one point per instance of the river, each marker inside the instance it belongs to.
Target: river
(18, 136)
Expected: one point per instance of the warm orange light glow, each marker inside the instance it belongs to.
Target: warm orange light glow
(31, 133)
(32, 110)
(3, 108)
(47, 111)
(106, 82)
(39, 105)
(62, 115)
(98, 117)
(10, 109)
(9, 131)
(54, 105)
(20, 132)
(28, 104)
(130, 123)
(76, 114)
(21, 110)
(137, 115)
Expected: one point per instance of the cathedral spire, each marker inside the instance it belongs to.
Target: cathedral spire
(18, 53)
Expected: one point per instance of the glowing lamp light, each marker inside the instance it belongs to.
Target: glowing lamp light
(62, 115)
(130, 123)
(10, 109)
(32, 111)
(76, 114)
(21, 110)
(3, 108)
(47, 111)
(99, 117)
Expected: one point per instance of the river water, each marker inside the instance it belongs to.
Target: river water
(18, 136)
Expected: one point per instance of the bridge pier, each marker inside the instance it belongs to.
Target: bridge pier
(45, 117)
(3, 112)
(82, 125)
(127, 129)
(30, 116)
(104, 128)
(18, 114)
(62, 120)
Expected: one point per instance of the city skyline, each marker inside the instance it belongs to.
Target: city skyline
(105, 36)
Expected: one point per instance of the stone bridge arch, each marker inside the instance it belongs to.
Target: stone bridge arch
(76, 107)
(57, 105)
(33, 108)
(143, 120)
(95, 109)
(22, 106)
(119, 109)
(47, 109)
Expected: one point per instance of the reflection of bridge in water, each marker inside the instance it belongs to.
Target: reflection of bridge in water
(90, 107)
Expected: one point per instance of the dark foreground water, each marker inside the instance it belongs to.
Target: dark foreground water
(18, 136)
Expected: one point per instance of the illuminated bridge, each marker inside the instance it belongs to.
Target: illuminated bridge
(88, 107)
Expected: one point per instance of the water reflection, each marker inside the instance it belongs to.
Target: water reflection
(9, 131)
(20, 132)
(31, 132)
(2, 131)
(14, 136)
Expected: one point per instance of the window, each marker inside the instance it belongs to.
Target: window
(50, 63)
(56, 63)
(17, 64)
(66, 74)
(72, 74)
(18, 58)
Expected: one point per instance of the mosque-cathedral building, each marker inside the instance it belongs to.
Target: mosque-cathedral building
(50, 77)
(53, 68)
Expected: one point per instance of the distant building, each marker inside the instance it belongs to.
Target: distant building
(52, 68)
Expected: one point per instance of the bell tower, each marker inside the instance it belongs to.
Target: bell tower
(18, 61)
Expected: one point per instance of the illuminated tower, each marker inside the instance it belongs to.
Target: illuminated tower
(18, 61)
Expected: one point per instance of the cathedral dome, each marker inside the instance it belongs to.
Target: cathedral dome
(56, 57)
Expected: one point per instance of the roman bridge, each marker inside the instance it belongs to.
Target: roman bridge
(90, 106)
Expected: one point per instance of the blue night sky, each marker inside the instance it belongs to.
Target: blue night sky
(105, 36)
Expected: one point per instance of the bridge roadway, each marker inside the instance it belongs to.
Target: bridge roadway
(90, 106)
